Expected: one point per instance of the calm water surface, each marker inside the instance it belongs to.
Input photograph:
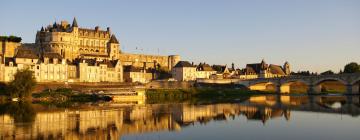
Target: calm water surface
(260, 117)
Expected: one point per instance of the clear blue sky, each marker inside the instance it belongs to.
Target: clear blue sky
(314, 35)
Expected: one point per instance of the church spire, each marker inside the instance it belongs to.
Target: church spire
(74, 24)
(42, 29)
(263, 65)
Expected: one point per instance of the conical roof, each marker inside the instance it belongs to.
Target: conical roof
(113, 39)
(74, 24)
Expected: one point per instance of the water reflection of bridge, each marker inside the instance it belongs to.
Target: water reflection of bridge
(112, 123)
(327, 104)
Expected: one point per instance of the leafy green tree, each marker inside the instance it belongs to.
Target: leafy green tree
(352, 68)
(22, 85)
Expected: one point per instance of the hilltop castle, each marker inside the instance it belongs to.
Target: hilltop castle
(72, 42)
(64, 52)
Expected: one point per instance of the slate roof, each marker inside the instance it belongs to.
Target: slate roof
(253, 68)
(113, 39)
(52, 55)
(90, 62)
(110, 64)
(26, 54)
(182, 64)
(276, 69)
(132, 69)
(256, 68)
(96, 55)
(75, 24)
(8, 60)
(204, 67)
(219, 68)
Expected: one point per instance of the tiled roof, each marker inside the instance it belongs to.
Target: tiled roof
(26, 54)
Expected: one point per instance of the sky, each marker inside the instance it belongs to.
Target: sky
(315, 35)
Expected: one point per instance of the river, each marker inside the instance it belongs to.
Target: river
(259, 117)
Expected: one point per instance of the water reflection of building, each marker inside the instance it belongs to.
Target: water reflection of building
(85, 124)
(113, 123)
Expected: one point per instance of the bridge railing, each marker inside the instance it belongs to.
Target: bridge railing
(307, 76)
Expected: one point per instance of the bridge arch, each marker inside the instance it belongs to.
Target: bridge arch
(330, 84)
(294, 86)
(264, 86)
(330, 79)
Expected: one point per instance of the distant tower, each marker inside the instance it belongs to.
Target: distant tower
(75, 47)
(263, 69)
(172, 61)
(287, 68)
(113, 47)
(233, 66)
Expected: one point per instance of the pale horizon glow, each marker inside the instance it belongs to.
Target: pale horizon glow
(315, 35)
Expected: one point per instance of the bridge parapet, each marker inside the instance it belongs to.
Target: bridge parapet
(351, 81)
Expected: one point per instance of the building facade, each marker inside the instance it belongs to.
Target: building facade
(264, 70)
(65, 52)
(72, 42)
(184, 71)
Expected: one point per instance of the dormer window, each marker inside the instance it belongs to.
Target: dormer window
(55, 60)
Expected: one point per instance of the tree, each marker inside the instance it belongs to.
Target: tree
(351, 68)
(329, 72)
(22, 85)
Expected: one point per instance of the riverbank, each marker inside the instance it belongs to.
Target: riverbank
(199, 95)
(66, 95)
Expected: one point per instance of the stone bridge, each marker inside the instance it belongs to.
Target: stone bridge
(350, 81)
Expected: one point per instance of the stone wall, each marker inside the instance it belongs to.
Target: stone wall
(139, 60)
(170, 84)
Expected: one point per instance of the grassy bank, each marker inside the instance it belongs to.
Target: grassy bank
(62, 95)
(198, 95)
